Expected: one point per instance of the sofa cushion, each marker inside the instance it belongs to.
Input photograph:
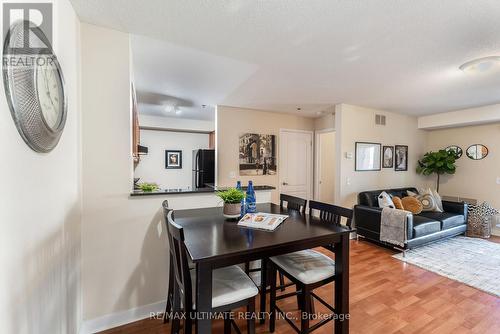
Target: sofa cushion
(447, 219)
(370, 198)
(424, 226)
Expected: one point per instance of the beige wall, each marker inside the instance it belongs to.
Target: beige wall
(474, 178)
(325, 122)
(354, 124)
(233, 122)
(40, 210)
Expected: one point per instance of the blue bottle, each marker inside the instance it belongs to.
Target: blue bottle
(242, 211)
(251, 204)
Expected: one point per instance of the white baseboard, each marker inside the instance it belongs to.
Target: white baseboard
(121, 318)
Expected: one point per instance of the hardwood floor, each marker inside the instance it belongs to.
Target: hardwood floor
(387, 296)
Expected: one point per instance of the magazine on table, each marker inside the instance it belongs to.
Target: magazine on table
(261, 220)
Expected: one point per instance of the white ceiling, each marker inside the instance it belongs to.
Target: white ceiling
(394, 55)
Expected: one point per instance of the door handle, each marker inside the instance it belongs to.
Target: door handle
(284, 183)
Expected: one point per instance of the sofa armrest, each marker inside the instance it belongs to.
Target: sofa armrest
(456, 207)
(369, 218)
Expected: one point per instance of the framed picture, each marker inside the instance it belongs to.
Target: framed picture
(257, 154)
(401, 158)
(173, 159)
(388, 156)
(367, 156)
(455, 149)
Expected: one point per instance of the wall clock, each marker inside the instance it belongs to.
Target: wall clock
(34, 86)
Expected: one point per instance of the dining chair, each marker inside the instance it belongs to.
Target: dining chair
(231, 287)
(170, 293)
(171, 281)
(293, 203)
(308, 269)
(330, 213)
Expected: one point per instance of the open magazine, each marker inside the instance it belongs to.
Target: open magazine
(260, 220)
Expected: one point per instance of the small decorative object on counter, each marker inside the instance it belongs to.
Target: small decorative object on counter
(250, 202)
(232, 202)
(148, 187)
(242, 211)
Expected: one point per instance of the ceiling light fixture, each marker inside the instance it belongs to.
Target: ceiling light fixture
(170, 107)
(178, 111)
(481, 64)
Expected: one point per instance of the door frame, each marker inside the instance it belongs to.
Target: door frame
(317, 160)
(311, 174)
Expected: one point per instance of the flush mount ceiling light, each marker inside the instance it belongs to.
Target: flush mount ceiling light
(481, 64)
(169, 108)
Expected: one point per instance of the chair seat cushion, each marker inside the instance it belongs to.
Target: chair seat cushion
(424, 226)
(447, 219)
(229, 285)
(308, 266)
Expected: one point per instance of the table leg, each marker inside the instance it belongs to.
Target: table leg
(204, 298)
(342, 284)
(263, 287)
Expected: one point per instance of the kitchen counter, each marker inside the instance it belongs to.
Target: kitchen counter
(177, 191)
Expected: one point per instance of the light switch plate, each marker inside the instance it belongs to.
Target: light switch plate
(498, 179)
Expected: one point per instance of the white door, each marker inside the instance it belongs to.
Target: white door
(325, 179)
(296, 163)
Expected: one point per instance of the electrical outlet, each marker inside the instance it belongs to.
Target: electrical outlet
(348, 181)
(232, 174)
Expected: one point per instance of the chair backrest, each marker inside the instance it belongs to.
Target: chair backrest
(293, 203)
(331, 213)
(181, 266)
(166, 210)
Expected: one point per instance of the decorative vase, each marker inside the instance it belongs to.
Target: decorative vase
(232, 210)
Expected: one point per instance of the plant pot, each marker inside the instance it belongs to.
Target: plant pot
(232, 210)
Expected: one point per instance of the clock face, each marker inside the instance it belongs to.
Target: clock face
(48, 86)
(35, 88)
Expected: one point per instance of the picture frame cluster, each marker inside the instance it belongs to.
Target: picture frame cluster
(373, 157)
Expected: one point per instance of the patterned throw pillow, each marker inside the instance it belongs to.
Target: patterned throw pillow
(479, 212)
(384, 200)
(430, 199)
(412, 204)
(478, 223)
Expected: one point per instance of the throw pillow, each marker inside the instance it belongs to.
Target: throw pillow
(397, 203)
(412, 204)
(478, 224)
(411, 193)
(429, 202)
(385, 201)
(439, 200)
(479, 212)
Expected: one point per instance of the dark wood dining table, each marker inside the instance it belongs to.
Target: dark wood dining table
(214, 242)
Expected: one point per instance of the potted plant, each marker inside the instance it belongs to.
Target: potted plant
(232, 198)
(440, 162)
(148, 187)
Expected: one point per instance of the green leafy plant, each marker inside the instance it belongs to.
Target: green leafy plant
(148, 187)
(231, 195)
(440, 162)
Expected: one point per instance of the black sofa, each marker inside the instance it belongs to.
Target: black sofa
(423, 228)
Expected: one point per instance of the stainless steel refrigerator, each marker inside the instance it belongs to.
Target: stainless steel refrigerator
(203, 168)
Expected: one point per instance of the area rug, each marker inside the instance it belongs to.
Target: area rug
(475, 262)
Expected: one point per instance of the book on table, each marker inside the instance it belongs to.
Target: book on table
(262, 220)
